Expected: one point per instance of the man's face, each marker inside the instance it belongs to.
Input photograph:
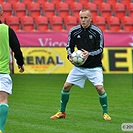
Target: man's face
(85, 18)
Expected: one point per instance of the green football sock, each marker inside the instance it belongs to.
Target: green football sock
(3, 115)
(103, 102)
(64, 100)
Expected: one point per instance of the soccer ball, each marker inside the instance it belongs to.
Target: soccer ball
(78, 57)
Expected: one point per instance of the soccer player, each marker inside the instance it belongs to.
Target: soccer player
(89, 38)
(8, 39)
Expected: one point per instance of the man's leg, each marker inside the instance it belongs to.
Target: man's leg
(63, 101)
(103, 101)
(3, 109)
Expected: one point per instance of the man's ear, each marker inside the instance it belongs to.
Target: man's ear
(91, 19)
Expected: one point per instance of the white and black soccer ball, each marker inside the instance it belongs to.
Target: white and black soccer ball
(78, 57)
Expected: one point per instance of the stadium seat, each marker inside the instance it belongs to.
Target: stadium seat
(62, 9)
(19, 9)
(105, 9)
(13, 22)
(12, 1)
(7, 9)
(42, 23)
(113, 23)
(93, 7)
(2, 1)
(97, 2)
(83, 1)
(27, 23)
(27, 1)
(70, 21)
(100, 21)
(69, 1)
(55, 2)
(75, 7)
(56, 23)
(111, 2)
(125, 2)
(41, 1)
(48, 9)
(130, 9)
(119, 9)
(127, 23)
(34, 9)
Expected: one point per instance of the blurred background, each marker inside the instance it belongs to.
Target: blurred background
(61, 15)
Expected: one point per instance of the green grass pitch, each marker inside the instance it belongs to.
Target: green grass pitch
(36, 97)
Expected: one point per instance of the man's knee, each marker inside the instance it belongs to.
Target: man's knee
(67, 86)
(3, 97)
(100, 89)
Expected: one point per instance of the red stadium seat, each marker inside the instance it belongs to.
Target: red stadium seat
(12, 1)
(62, 9)
(2, 1)
(111, 2)
(13, 22)
(70, 21)
(100, 21)
(48, 9)
(7, 9)
(97, 2)
(125, 2)
(119, 9)
(127, 23)
(41, 1)
(69, 1)
(27, 23)
(34, 9)
(130, 9)
(42, 23)
(114, 23)
(55, 2)
(56, 23)
(105, 9)
(19, 9)
(27, 1)
(75, 7)
(93, 8)
(83, 2)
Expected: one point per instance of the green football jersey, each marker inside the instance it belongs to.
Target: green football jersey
(4, 49)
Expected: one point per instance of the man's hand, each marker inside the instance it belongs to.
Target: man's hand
(21, 69)
(86, 54)
(70, 59)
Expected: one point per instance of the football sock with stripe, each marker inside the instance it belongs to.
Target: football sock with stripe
(103, 102)
(64, 100)
(3, 115)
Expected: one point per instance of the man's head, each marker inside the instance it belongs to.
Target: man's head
(1, 10)
(85, 17)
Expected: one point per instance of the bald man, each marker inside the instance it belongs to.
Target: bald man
(88, 38)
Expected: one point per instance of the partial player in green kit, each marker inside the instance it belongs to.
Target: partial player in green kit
(8, 39)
